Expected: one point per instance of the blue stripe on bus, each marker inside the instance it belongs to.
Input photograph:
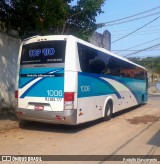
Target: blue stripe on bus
(131, 84)
(24, 81)
(30, 88)
(103, 89)
(124, 82)
(41, 87)
(36, 83)
(38, 70)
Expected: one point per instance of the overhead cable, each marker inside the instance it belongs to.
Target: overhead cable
(135, 50)
(133, 15)
(149, 27)
(136, 30)
(156, 45)
(146, 16)
(138, 45)
(149, 32)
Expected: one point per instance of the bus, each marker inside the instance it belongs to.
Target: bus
(65, 80)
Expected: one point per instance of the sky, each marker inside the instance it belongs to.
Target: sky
(149, 34)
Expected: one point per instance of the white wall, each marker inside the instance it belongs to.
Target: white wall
(9, 47)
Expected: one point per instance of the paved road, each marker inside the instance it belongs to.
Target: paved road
(136, 131)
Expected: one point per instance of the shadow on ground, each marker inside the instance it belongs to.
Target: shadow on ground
(38, 126)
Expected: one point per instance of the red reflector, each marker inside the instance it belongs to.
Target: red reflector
(16, 94)
(58, 117)
(19, 114)
(69, 96)
(37, 107)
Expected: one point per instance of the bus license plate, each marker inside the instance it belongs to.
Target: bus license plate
(39, 107)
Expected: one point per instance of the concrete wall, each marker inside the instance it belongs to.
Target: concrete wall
(101, 40)
(9, 47)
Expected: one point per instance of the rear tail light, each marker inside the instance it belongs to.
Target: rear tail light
(69, 96)
(69, 100)
(16, 94)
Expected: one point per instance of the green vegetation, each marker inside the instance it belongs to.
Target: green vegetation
(151, 63)
(32, 17)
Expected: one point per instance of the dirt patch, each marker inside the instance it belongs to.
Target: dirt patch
(143, 119)
(7, 125)
(8, 119)
(7, 113)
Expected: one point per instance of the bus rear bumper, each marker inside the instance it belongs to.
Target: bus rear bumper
(67, 117)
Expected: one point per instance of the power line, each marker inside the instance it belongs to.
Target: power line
(144, 61)
(156, 45)
(111, 23)
(140, 44)
(132, 15)
(136, 29)
(148, 32)
(135, 50)
(149, 27)
(136, 34)
(103, 25)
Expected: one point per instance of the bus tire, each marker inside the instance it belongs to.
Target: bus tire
(143, 100)
(108, 111)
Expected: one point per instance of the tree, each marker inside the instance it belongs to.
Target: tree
(30, 17)
(82, 18)
(151, 63)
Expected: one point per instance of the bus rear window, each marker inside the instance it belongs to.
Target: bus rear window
(43, 52)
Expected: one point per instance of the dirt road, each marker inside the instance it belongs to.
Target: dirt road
(134, 132)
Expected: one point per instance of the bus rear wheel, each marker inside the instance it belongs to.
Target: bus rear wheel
(108, 111)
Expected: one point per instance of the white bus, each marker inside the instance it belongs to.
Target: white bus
(65, 80)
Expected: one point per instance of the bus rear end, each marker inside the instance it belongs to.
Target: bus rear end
(40, 90)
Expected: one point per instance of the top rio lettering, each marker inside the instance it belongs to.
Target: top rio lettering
(44, 52)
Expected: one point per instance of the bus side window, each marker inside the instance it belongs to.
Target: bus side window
(140, 74)
(97, 66)
(82, 58)
(106, 71)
